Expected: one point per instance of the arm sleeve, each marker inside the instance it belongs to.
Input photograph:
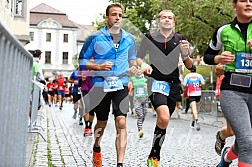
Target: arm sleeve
(213, 49)
(86, 52)
(38, 72)
(80, 83)
(209, 56)
(132, 50)
(143, 48)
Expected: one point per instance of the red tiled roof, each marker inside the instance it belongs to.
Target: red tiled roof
(44, 8)
(84, 31)
(43, 12)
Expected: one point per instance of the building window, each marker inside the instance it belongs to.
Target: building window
(8, 4)
(48, 37)
(19, 8)
(48, 57)
(65, 38)
(65, 57)
(32, 36)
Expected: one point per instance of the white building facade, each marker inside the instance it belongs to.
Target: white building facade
(57, 37)
(15, 15)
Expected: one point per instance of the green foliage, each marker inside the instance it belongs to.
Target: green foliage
(100, 23)
(196, 19)
(142, 13)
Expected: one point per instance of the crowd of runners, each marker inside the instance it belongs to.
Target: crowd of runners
(114, 75)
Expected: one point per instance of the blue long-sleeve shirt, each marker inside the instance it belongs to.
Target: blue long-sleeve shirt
(100, 46)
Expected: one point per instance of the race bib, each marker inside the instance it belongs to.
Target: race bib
(112, 84)
(161, 87)
(50, 89)
(243, 62)
(139, 92)
(60, 88)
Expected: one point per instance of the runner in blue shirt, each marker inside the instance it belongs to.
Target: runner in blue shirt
(111, 53)
(76, 95)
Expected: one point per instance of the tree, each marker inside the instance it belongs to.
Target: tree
(142, 13)
(196, 19)
(99, 23)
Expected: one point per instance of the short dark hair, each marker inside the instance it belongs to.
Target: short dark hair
(234, 1)
(37, 53)
(193, 69)
(114, 5)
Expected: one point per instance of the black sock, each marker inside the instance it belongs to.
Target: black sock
(86, 124)
(97, 149)
(90, 125)
(119, 164)
(159, 136)
(193, 123)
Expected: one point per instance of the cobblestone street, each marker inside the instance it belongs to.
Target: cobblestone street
(66, 146)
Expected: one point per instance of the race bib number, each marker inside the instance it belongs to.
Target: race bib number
(139, 92)
(50, 89)
(60, 88)
(161, 87)
(243, 62)
(112, 84)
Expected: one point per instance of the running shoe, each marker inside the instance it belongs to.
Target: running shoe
(153, 162)
(97, 159)
(87, 131)
(222, 162)
(141, 133)
(90, 131)
(197, 125)
(219, 143)
(181, 108)
(80, 122)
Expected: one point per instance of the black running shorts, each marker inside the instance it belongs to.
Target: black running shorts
(101, 101)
